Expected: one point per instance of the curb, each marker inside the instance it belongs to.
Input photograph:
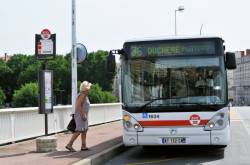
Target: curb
(102, 157)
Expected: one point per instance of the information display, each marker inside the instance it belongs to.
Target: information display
(155, 49)
(48, 90)
(45, 80)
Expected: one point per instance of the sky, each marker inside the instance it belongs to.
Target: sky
(107, 24)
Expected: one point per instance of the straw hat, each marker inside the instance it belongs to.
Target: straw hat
(85, 86)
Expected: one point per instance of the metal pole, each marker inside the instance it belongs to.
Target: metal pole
(175, 22)
(73, 57)
(45, 115)
(46, 123)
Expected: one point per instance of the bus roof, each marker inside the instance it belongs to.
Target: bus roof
(172, 38)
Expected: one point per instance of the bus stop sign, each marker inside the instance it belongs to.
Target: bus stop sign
(45, 45)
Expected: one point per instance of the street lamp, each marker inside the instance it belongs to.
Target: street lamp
(73, 58)
(201, 29)
(78, 54)
(180, 8)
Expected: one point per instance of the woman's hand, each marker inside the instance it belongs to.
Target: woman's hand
(84, 116)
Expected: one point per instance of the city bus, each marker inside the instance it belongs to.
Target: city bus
(174, 91)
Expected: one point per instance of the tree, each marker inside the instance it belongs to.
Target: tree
(93, 69)
(6, 75)
(61, 67)
(97, 95)
(26, 96)
(2, 98)
(29, 74)
(18, 63)
(22, 69)
(108, 97)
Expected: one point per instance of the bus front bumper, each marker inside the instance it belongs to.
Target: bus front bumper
(176, 136)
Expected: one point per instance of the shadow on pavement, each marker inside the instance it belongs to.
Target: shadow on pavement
(83, 154)
(170, 155)
(182, 154)
(182, 150)
(12, 155)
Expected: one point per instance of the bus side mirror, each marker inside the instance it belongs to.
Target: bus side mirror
(230, 60)
(111, 66)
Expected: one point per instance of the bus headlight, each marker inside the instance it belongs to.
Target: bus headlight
(218, 122)
(130, 124)
(211, 125)
(137, 127)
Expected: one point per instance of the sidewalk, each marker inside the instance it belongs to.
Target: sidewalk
(99, 138)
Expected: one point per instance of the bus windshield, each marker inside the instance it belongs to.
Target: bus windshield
(179, 80)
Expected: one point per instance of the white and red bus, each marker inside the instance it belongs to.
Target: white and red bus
(174, 91)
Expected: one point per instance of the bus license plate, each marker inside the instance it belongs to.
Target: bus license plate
(173, 140)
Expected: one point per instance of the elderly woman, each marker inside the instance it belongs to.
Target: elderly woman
(81, 117)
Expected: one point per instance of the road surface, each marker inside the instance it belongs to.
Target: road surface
(237, 152)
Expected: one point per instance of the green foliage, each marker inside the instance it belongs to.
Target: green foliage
(97, 95)
(2, 98)
(61, 67)
(29, 74)
(94, 70)
(6, 77)
(27, 96)
(18, 64)
(5, 74)
(22, 69)
(108, 97)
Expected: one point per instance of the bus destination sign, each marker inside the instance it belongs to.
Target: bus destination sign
(171, 49)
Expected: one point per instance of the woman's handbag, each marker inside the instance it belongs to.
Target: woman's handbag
(72, 124)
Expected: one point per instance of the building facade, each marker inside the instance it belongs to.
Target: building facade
(241, 77)
(230, 83)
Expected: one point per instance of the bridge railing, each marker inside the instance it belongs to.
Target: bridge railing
(23, 123)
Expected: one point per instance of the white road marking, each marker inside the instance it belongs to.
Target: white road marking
(243, 123)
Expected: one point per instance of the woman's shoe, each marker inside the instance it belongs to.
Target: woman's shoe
(71, 149)
(84, 149)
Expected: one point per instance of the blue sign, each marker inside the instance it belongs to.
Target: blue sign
(145, 115)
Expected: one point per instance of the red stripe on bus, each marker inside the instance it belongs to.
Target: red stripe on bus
(169, 123)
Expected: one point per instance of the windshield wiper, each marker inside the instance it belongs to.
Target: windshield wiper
(151, 101)
(212, 106)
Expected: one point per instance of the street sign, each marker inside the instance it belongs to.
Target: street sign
(45, 45)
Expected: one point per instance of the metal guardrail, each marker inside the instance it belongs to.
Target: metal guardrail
(23, 123)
